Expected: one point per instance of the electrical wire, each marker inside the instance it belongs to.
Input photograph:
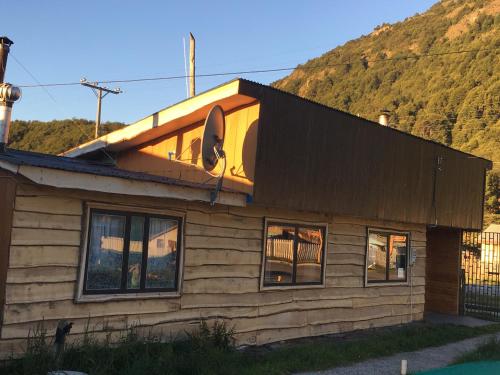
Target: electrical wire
(33, 77)
(84, 133)
(257, 71)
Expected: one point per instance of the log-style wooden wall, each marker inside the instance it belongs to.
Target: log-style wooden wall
(222, 265)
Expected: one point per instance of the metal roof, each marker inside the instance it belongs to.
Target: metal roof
(36, 159)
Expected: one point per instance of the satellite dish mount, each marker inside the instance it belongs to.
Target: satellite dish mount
(212, 147)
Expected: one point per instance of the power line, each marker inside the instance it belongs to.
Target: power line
(84, 133)
(257, 71)
(33, 77)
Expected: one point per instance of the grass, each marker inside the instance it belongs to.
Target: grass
(489, 351)
(210, 351)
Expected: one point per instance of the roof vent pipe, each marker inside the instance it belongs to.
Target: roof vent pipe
(383, 118)
(8, 94)
(5, 44)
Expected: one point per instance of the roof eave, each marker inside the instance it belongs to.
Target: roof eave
(117, 185)
(165, 121)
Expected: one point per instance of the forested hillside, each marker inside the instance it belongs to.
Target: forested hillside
(453, 98)
(55, 136)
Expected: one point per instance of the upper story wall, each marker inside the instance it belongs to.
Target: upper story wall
(183, 147)
(306, 156)
(314, 158)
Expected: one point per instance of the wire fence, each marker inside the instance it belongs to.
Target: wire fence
(480, 284)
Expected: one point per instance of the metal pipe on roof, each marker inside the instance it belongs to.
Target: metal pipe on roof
(383, 118)
(5, 44)
(8, 94)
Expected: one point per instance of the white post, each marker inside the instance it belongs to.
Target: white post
(404, 366)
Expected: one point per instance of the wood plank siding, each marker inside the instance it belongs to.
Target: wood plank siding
(222, 264)
(314, 158)
(184, 146)
(7, 197)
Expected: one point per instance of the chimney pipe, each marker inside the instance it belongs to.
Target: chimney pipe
(383, 118)
(192, 42)
(8, 94)
(5, 44)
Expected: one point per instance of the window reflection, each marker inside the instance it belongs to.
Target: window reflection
(309, 254)
(397, 261)
(105, 251)
(279, 254)
(377, 257)
(294, 255)
(131, 252)
(162, 253)
(135, 252)
(386, 256)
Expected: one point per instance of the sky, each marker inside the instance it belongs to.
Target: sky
(64, 41)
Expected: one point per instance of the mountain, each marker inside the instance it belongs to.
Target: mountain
(53, 137)
(418, 71)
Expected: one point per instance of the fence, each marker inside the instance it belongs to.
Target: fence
(307, 252)
(480, 291)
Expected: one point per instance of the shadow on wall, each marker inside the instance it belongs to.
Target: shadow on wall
(238, 177)
(249, 150)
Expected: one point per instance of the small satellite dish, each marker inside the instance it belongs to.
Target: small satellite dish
(212, 147)
(213, 138)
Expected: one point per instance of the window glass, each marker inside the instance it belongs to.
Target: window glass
(279, 254)
(131, 253)
(293, 255)
(386, 256)
(162, 260)
(135, 252)
(397, 258)
(377, 257)
(104, 269)
(309, 255)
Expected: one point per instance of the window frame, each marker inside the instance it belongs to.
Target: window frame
(297, 224)
(86, 295)
(387, 231)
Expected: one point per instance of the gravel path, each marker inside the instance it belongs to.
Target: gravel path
(420, 360)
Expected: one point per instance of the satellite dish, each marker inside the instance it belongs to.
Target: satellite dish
(213, 138)
(211, 147)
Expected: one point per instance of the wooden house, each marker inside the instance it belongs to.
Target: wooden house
(326, 222)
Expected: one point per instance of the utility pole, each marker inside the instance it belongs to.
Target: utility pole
(192, 43)
(98, 91)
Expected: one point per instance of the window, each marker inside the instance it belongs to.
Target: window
(294, 254)
(386, 259)
(126, 253)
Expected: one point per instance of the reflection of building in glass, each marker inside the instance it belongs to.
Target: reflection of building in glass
(386, 258)
(289, 247)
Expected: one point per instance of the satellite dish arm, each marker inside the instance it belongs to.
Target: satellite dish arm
(215, 193)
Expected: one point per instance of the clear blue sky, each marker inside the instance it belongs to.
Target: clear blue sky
(61, 41)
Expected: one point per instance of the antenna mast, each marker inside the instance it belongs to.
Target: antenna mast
(192, 44)
(98, 91)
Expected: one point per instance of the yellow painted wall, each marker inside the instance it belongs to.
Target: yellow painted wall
(185, 146)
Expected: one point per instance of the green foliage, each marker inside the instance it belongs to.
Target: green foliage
(135, 355)
(56, 136)
(453, 99)
(492, 193)
(220, 336)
